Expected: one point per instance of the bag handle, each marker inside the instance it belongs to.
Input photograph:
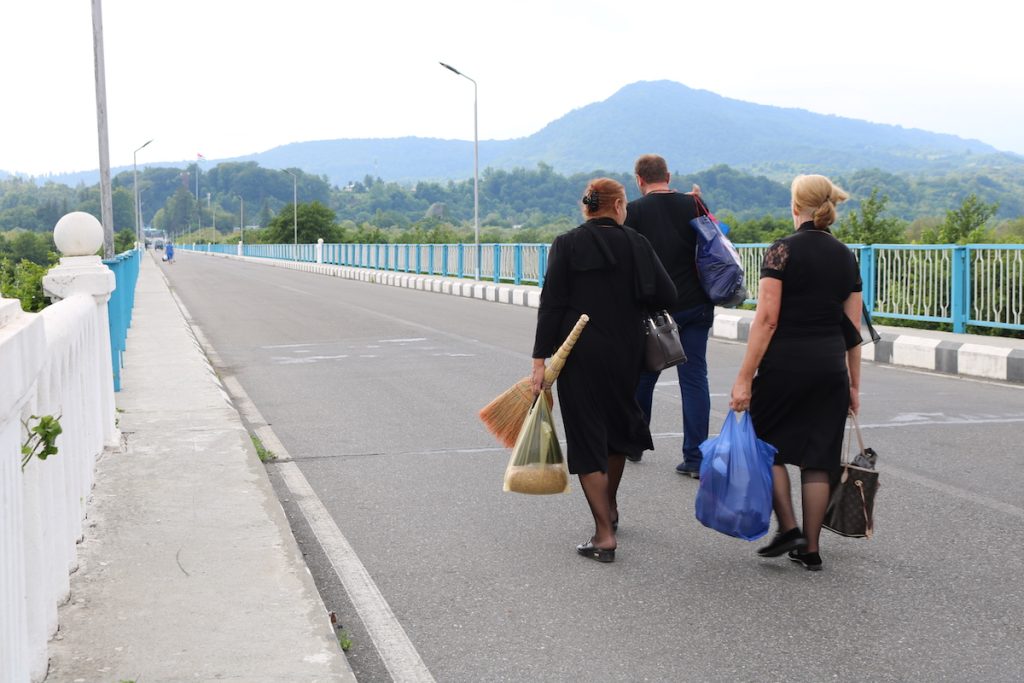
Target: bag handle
(849, 439)
(873, 336)
(701, 206)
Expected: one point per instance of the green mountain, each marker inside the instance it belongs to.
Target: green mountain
(693, 129)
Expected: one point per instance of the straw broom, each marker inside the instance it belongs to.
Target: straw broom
(504, 416)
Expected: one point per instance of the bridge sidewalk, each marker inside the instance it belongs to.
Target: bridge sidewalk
(188, 569)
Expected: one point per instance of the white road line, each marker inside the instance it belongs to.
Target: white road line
(397, 652)
(947, 421)
(293, 289)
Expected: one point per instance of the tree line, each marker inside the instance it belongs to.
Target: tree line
(519, 205)
(243, 201)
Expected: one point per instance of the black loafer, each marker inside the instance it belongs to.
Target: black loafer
(783, 542)
(600, 554)
(810, 561)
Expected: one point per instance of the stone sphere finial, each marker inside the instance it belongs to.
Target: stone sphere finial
(78, 234)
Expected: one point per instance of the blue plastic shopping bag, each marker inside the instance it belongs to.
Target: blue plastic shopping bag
(735, 492)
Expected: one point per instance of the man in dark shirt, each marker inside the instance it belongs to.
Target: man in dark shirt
(663, 216)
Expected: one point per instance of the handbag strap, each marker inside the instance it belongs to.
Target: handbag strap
(869, 524)
(701, 206)
(849, 439)
(873, 336)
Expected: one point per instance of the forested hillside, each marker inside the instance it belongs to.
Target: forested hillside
(515, 205)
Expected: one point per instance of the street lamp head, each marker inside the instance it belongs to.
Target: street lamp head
(450, 68)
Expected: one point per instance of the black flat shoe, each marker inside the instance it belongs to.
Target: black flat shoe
(783, 543)
(810, 561)
(600, 554)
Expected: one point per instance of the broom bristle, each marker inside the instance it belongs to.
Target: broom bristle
(504, 416)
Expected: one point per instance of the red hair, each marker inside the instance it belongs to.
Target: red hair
(599, 198)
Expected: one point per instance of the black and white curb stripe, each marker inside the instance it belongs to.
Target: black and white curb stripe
(946, 354)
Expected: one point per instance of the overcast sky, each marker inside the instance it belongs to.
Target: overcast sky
(225, 78)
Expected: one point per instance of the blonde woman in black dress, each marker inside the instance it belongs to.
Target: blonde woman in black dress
(611, 273)
(804, 346)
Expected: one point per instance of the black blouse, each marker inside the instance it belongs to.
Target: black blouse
(818, 273)
(605, 270)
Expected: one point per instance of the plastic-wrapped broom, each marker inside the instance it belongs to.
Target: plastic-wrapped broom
(504, 416)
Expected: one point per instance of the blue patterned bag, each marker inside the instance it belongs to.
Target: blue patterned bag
(735, 492)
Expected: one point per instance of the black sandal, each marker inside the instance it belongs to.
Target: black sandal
(600, 554)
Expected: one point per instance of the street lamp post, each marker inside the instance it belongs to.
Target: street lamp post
(106, 192)
(476, 169)
(138, 208)
(295, 213)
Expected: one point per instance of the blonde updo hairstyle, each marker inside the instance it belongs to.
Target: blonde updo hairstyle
(599, 198)
(818, 195)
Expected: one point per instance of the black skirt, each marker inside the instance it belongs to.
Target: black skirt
(801, 399)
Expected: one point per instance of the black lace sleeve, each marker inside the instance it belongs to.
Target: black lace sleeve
(775, 260)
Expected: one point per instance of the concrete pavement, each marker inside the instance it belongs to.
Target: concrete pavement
(188, 569)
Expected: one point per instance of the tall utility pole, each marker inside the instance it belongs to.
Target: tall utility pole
(106, 201)
(199, 208)
(138, 202)
(476, 169)
(295, 212)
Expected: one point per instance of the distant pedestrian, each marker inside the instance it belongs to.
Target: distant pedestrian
(804, 345)
(612, 274)
(169, 251)
(663, 216)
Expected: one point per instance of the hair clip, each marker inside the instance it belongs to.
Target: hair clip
(592, 199)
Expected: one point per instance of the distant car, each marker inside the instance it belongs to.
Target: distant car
(159, 244)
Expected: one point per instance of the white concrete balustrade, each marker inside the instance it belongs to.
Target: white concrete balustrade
(56, 362)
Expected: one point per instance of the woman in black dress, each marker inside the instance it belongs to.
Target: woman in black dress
(804, 344)
(611, 273)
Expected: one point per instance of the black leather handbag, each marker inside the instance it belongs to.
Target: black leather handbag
(851, 509)
(664, 348)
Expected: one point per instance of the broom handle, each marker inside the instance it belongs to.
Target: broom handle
(558, 360)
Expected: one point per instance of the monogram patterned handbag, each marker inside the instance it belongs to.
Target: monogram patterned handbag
(851, 508)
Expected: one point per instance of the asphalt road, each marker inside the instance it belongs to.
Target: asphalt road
(374, 391)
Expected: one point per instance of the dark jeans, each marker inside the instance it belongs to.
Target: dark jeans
(694, 327)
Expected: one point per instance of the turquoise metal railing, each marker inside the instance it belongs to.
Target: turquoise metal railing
(976, 284)
(119, 307)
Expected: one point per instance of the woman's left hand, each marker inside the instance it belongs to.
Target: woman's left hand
(740, 398)
(537, 377)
